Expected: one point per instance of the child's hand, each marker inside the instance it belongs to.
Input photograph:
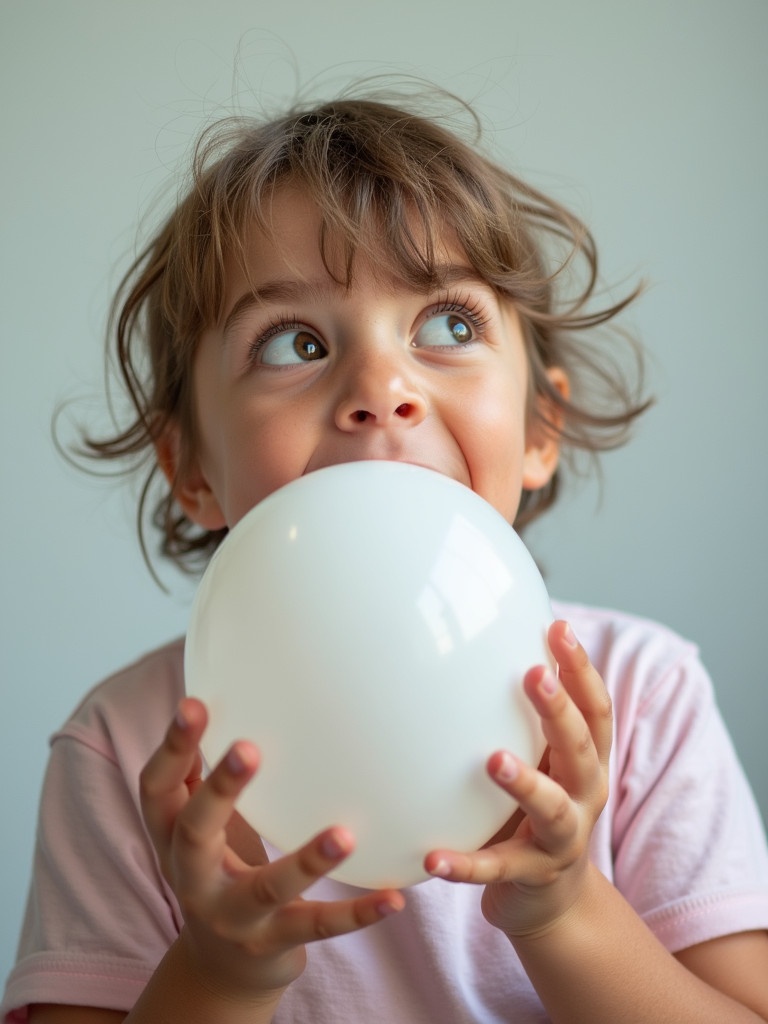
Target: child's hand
(245, 921)
(535, 871)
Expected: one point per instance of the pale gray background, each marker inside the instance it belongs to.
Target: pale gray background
(649, 118)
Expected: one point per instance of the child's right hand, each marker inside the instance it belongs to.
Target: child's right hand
(246, 922)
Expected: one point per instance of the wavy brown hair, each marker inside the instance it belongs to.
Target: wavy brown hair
(388, 183)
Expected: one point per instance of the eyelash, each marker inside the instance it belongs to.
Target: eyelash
(273, 328)
(463, 306)
(473, 311)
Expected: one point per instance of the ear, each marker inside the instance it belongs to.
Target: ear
(542, 447)
(188, 482)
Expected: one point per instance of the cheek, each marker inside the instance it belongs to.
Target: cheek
(248, 446)
(504, 494)
(261, 454)
(495, 424)
(493, 443)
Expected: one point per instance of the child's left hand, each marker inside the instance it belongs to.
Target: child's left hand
(535, 870)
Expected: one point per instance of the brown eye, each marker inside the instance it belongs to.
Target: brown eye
(291, 348)
(307, 347)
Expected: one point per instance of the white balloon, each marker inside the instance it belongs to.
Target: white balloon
(368, 626)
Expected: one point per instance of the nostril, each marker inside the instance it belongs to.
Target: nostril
(361, 415)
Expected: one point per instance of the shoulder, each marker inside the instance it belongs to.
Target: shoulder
(125, 715)
(677, 787)
(100, 915)
(637, 657)
(608, 632)
(665, 706)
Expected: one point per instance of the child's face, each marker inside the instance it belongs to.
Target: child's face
(314, 374)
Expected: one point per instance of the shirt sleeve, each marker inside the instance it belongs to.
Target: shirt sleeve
(99, 916)
(689, 845)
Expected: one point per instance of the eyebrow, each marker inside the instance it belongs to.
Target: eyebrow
(288, 290)
(293, 289)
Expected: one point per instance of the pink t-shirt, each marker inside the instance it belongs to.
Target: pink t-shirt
(680, 837)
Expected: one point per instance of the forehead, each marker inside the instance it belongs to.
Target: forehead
(292, 241)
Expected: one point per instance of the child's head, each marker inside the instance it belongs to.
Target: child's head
(379, 202)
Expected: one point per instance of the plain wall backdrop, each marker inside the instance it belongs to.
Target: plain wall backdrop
(649, 119)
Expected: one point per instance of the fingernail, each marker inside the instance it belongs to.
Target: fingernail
(442, 869)
(181, 720)
(331, 846)
(386, 909)
(235, 762)
(548, 683)
(507, 770)
(569, 637)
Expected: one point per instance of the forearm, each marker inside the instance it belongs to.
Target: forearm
(178, 991)
(600, 963)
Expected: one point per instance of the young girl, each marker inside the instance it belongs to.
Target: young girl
(355, 282)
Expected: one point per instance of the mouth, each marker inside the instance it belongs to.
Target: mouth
(322, 464)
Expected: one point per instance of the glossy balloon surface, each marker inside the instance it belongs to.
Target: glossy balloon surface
(368, 626)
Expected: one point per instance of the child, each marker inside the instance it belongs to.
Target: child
(355, 282)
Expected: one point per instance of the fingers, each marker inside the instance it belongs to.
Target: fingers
(560, 803)
(551, 820)
(263, 908)
(299, 921)
(573, 759)
(549, 809)
(311, 922)
(286, 879)
(188, 821)
(302, 921)
(199, 841)
(584, 686)
(274, 893)
(187, 818)
(575, 712)
(245, 920)
(172, 771)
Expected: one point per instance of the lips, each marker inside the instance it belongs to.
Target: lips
(441, 455)
(323, 463)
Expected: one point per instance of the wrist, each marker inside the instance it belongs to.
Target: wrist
(545, 914)
(234, 977)
(525, 913)
(186, 988)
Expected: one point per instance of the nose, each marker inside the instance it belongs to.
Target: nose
(378, 393)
